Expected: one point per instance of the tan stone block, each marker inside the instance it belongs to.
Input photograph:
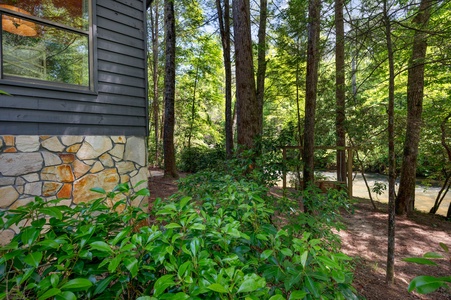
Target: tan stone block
(94, 146)
(53, 144)
(33, 177)
(135, 150)
(69, 140)
(61, 173)
(124, 167)
(10, 150)
(118, 151)
(21, 202)
(90, 161)
(33, 188)
(106, 160)
(118, 139)
(27, 143)
(17, 164)
(51, 159)
(73, 148)
(106, 179)
(65, 192)
(44, 137)
(97, 167)
(50, 188)
(9, 140)
(6, 236)
(80, 168)
(125, 178)
(8, 195)
(67, 158)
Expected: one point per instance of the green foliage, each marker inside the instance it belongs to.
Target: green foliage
(213, 240)
(197, 159)
(428, 284)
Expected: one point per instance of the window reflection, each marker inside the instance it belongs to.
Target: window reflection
(53, 54)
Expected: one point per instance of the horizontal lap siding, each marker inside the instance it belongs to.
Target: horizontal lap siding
(117, 106)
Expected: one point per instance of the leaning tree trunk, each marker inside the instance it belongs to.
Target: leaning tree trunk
(154, 19)
(169, 91)
(415, 90)
(340, 90)
(248, 119)
(311, 89)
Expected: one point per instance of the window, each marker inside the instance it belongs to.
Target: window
(46, 40)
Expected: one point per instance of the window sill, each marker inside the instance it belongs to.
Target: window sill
(42, 85)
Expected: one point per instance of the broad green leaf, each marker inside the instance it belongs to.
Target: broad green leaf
(286, 252)
(197, 226)
(265, 254)
(277, 297)
(52, 211)
(444, 247)
(5, 93)
(426, 284)
(216, 287)
(98, 190)
(77, 284)
(173, 225)
(310, 284)
(54, 280)
(121, 235)
(66, 296)
(295, 295)
(103, 284)
(29, 235)
(33, 259)
(50, 293)
(304, 258)
(122, 187)
(132, 265)
(182, 269)
(26, 275)
(420, 260)
(184, 201)
(145, 298)
(162, 284)
(432, 255)
(114, 263)
(251, 283)
(101, 246)
(49, 244)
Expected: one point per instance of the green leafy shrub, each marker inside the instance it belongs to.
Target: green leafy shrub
(197, 159)
(213, 240)
(427, 284)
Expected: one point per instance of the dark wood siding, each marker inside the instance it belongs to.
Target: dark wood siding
(117, 105)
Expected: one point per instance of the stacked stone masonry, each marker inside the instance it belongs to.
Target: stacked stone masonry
(67, 167)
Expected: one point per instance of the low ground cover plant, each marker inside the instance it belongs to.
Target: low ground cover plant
(215, 239)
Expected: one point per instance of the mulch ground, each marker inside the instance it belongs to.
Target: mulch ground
(365, 239)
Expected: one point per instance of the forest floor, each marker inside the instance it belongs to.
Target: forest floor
(365, 239)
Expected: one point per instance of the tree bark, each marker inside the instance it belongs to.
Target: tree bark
(261, 58)
(224, 29)
(154, 19)
(248, 119)
(340, 90)
(390, 272)
(415, 90)
(311, 89)
(169, 91)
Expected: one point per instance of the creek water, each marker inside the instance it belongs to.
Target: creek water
(424, 195)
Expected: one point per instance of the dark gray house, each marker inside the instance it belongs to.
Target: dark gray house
(76, 116)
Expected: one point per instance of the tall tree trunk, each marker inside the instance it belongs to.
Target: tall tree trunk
(193, 107)
(261, 58)
(154, 20)
(415, 90)
(169, 91)
(224, 28)
(340, 90)
(390, 274)
(248, 119)
(314, 12)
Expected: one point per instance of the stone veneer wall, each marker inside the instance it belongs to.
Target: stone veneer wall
(67, 167)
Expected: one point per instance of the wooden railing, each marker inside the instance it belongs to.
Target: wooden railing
(349, 152)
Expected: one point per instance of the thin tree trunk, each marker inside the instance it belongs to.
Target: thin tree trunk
(415, 91)
(169, 93)
(193, 108)
(311, 89)
(390, 275)
(248, 119)
(261, 58)
(154, 19)
(340, 91)
(224, 28)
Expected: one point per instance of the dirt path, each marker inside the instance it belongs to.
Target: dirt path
(366, 240)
